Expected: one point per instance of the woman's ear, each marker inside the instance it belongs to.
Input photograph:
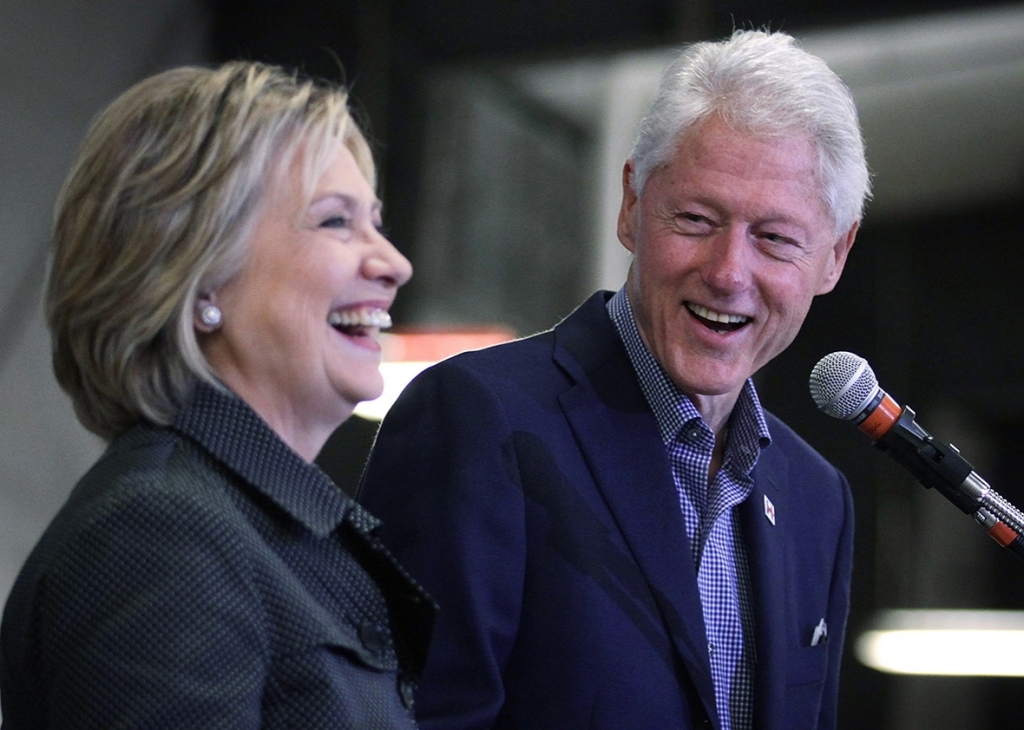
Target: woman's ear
(207, 316)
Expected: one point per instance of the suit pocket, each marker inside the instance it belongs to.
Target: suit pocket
(807, 665)
(805, 681)
(368, 644)
(335, 682)
(358, 641)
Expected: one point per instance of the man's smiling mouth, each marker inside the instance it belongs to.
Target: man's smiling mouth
(717, 321)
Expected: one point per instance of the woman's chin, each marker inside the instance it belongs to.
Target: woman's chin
(369, 388)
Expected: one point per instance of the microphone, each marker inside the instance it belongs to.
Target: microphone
(844, 386)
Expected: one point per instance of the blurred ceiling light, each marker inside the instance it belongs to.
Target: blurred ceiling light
(945, 642)
(408, 353)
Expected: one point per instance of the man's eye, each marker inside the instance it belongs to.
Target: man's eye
(777, 238)
(693, 223)
(782, 248)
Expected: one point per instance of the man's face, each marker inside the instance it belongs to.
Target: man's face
(731, 242)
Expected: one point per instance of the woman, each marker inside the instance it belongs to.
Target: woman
(217, 284)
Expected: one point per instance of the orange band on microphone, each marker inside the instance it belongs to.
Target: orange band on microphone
(1002, 534)
(881, 419)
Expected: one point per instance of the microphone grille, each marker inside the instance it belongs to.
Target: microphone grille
(842, 384)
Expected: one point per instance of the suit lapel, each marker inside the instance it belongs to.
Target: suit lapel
(766, 560)
(619, 438)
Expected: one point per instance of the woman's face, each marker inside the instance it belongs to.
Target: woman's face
(298, 341)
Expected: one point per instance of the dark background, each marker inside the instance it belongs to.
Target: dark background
(930, 299)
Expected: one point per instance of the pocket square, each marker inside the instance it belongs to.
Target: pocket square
(820, 633)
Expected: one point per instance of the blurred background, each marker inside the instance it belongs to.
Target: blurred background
(500, 128)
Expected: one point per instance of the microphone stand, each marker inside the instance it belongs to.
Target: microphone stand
(939, 466)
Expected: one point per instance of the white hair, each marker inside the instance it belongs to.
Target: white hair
(763, 84)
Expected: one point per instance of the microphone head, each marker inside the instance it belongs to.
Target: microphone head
(843, 384)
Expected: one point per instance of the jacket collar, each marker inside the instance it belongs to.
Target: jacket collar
(766, 557)
(619, 437)
(225, 426)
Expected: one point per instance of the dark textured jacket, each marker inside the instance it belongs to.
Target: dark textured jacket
(203, 575)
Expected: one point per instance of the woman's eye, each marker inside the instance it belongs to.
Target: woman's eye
(336, 221)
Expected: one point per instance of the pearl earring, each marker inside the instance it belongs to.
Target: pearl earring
(210, 316)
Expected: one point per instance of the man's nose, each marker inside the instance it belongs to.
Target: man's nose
(726, 264)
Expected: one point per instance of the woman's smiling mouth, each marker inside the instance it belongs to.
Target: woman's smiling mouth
(359, 321)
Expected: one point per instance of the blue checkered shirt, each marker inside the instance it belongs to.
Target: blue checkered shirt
(717, 548)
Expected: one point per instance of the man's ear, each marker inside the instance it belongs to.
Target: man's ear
(627, 212)
(840, 250)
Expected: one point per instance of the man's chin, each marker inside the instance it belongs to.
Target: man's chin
(710, 380)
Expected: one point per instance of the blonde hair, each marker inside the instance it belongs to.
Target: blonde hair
(157, 210)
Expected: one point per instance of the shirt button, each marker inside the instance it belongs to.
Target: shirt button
(406, 689)
(711, 647)
(373, 636)
(693, 434)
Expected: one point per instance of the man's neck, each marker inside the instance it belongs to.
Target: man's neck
(715, 409)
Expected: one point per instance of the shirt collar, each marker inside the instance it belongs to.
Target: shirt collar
(672, 408)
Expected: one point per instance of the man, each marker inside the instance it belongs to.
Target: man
(618, 535)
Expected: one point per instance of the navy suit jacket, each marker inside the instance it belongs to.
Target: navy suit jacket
(527, 488)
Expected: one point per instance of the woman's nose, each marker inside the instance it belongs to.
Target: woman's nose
(385, 262)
